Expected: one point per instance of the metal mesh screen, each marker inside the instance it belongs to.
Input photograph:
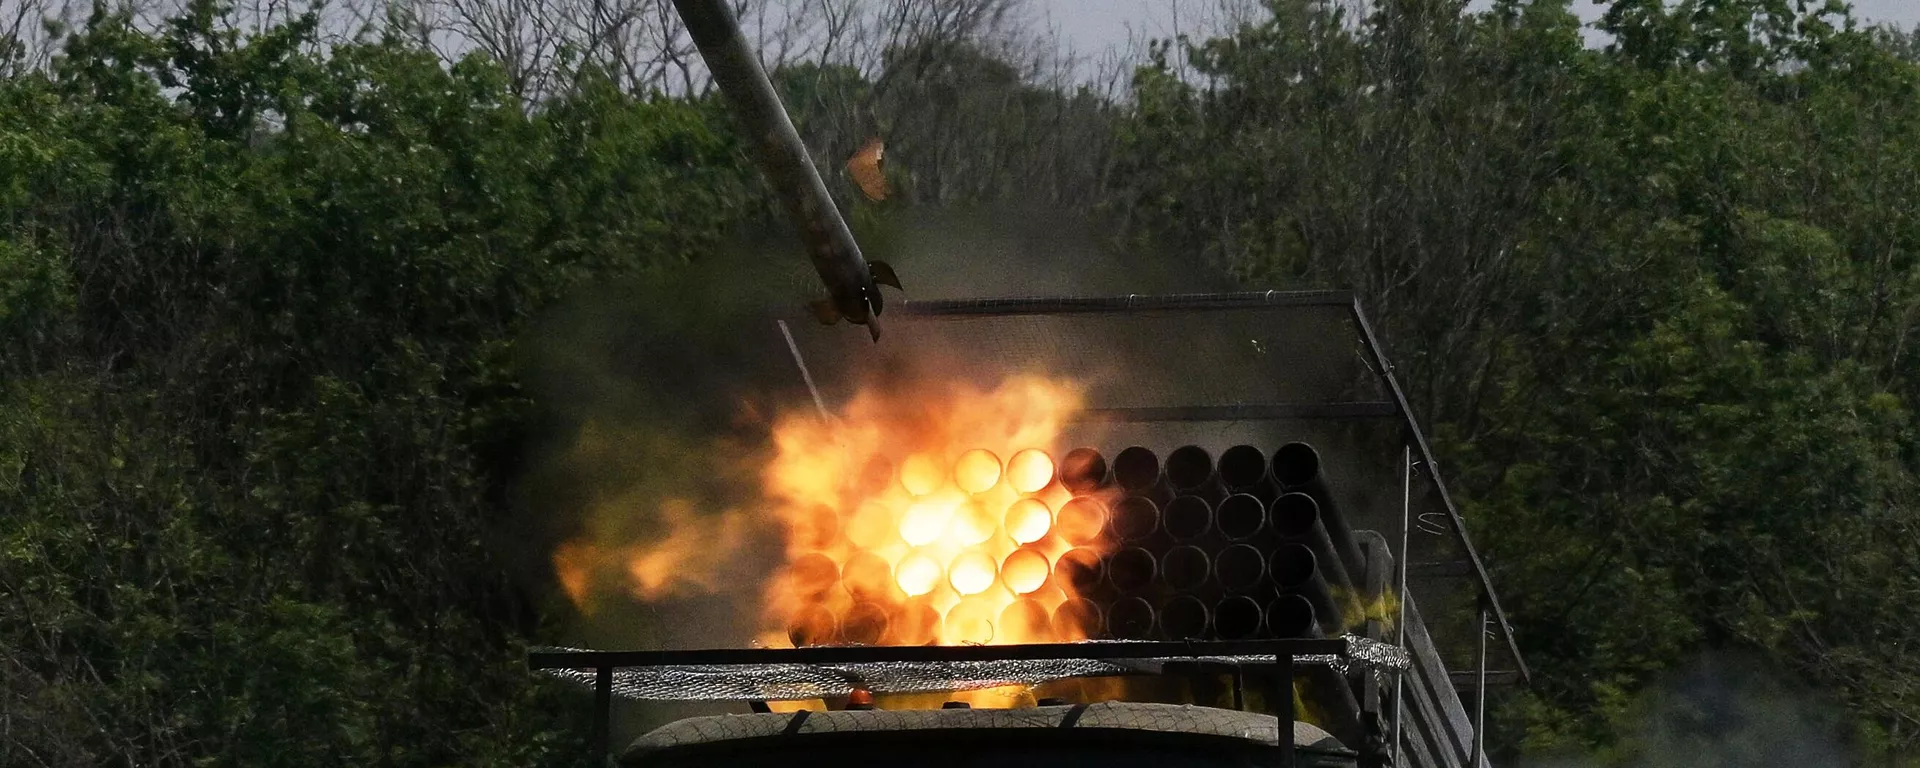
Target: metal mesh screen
(787, 682)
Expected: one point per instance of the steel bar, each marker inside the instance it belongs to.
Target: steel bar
(1480, 694)
(1129, 303)
(1335, 411)
(938, 653)
(1385, 369)
(1287, 716)
(602, 709)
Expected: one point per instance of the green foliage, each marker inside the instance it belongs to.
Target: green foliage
(257, 398)
(1657, 296)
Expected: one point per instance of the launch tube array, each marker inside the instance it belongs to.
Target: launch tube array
(1185, 546)
(1245, 545)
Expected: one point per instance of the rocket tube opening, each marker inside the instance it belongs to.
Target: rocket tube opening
(1236, 618)
(1084, 470)
(1137, 469)
(1134, 518)
(1291, 616)
(1185, 568)
(812, 625)
(1239, 567)
(1240, 517)
(1294, 566)
(976, 470)
(864, 624)
(1295, 464)
(1025, 571)
(1081, 521)
(1027, 521)
(1130, 618)
(1024, 620)
(813, 574)
(1030, 471)
(915, 623)
(1187, 518)
(1184, 618)
(1131, 570)
(1080, 568)
(1076, 618)
(1295, 515)
(1243, 467)
(1189, 467)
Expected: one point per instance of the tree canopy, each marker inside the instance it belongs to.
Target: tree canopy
(266, 412)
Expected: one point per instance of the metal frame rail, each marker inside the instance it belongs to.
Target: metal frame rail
(603, 663)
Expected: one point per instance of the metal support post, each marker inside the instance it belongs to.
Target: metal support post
(602, 712)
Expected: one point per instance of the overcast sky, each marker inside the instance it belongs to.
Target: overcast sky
(1090, 26)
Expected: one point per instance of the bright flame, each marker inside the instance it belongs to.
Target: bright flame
(936, 539)
(1028, 521)
(1029, 470)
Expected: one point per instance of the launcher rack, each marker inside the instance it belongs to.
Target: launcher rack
(1277, 366)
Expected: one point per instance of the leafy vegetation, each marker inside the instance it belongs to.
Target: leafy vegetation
(261, 418)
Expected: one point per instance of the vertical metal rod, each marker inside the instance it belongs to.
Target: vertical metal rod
(602, 712)
(1400, 592)
(1287, 716)
(1239, 690)
(1480, 696)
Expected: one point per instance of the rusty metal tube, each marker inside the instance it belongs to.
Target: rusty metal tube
(1296, 467)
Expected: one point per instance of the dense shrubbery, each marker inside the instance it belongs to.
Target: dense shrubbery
(259, 413)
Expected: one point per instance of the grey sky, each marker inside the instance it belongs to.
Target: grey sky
(1090, 26)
